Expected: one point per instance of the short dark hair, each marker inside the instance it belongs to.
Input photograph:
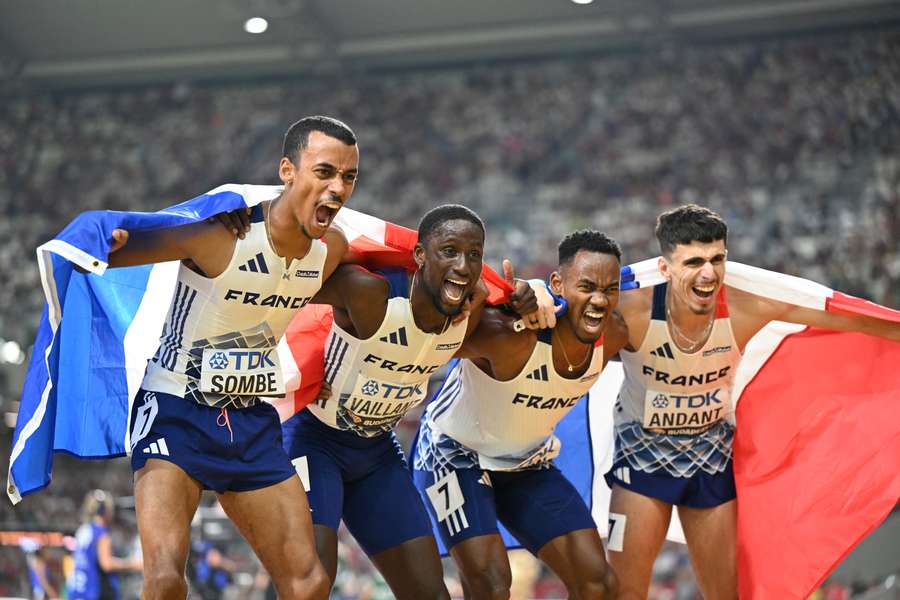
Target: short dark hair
(439, 215)
(297, 137)
(687, 224)
(590, 240)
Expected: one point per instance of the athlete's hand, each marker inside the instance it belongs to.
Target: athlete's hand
(236, 221)
(324, 393)
(546, 312)
(533, 302)
(478, 296)
(119, 239)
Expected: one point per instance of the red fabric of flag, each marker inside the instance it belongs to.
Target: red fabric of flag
(816, 456)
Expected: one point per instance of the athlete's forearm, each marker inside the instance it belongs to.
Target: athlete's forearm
(882, 328)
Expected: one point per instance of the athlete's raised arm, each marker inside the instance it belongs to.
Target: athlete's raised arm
(208, 245)
(751, 313)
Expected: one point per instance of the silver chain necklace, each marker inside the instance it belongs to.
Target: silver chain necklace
(694, 344)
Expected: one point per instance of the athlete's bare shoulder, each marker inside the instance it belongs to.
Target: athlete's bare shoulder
(634, 309)
(359, 298)
(338, 248)
(749, 313)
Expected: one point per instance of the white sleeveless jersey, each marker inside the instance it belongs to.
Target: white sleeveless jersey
(674, 411)
(218, 345)
(377, 380)
(509, 424)
(669, 391)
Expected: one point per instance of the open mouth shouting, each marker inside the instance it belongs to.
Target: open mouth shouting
(593, 319)
(704, 292)
(325, 213)
(454, 290)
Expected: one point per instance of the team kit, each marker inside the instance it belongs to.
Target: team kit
(485, 447)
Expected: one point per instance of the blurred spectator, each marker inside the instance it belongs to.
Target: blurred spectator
(96, 569)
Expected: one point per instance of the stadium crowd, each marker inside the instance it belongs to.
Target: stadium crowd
(796, 141)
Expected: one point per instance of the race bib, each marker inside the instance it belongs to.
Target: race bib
(446, 496)
(241, 371)
(685, 413)
(377, 405)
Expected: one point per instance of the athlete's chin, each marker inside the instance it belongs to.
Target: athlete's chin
(702, 309)
(449, 310)
(588, 336)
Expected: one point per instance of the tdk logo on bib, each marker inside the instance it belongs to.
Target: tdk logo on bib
(685, 413)
(242, 371)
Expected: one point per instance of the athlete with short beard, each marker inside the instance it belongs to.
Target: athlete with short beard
(391, 332)
(673, 418)
(485, 446)
(199, 421)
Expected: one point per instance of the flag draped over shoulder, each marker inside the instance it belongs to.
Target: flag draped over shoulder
(86, 368)
(817, 445)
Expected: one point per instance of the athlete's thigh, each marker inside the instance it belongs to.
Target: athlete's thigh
(413, 569)
(276, 522)
(576, 557)
(711, 538)
(166, 499)
(638, 526)
(483, 562)
(327, 549)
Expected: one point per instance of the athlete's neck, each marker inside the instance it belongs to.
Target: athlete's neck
(425, 314)
(289, 239)
(570, 354)
(691, 331)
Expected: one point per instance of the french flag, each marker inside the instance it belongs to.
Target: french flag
(817, 444)
(817, 448)
(86, 368)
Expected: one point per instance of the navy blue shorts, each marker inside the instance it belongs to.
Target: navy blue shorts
(239, 453)
(535, 505)
(700, 490)
(365, 481)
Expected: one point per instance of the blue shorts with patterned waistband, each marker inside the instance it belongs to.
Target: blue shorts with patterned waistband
(699, 490)
(234, 449)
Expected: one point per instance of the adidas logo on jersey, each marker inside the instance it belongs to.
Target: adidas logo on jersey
(539, 374)
(485, 479)
(396, 337)
(157, 447)
(255, 265)
(664, 351)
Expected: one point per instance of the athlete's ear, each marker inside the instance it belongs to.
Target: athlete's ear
(663, 266)
(419, 255)
(556, 283)
(286, 170)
